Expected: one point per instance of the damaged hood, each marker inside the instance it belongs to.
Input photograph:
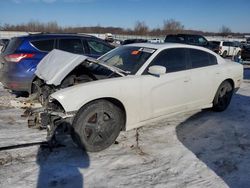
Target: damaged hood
(56, 65)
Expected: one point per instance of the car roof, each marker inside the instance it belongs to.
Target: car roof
(52, 35)
(164, 45)
(161, 46)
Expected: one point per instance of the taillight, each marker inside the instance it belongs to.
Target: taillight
(17, 57)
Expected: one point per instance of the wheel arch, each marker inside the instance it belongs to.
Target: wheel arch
(31, 84)
(230, 81)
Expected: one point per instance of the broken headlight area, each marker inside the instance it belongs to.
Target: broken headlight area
(54, 106)
(57, 124)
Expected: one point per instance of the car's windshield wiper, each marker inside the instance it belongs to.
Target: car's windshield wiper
(120, 70)
(115, 69)
(112, 68)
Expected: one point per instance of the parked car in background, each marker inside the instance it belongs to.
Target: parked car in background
(109, 37)
(245, 52)
(136, 84)
(197, 40)
(228, 48)
(131, 41)
(22, 55)
(156, 40)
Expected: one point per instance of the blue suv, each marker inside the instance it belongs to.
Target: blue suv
(19, 59)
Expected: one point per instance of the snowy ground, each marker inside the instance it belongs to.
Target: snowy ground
(196, 149)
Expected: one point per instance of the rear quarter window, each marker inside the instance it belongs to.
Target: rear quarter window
(12, 45)
(44, 45)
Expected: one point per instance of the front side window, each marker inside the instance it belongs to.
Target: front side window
(97, 48)
(43, 45)
(173, 59)
(128, 58)
(197, 40)
(202, 41)
(71, 45)
(201, 58)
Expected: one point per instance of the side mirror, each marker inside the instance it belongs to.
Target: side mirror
(157, 70)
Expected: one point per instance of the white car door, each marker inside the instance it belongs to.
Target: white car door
(166, 93)
(205, 77)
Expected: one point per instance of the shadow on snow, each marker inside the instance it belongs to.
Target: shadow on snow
(61, 167)
(222, 140)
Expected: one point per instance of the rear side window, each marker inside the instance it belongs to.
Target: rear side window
(71, 45)
(43, 45)
(201, 58)
(171, 38)
(97, 48)
(173, 59)
(216, 42)
(227, 44)
(12, 45)
(196, 40)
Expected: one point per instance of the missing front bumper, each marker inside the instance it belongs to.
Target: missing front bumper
(56, 123)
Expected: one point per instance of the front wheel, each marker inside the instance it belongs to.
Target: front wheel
(97, 125)
(223, 97)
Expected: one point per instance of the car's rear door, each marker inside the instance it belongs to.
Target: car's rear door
(166, 93)
(205, 77)
(72, 45)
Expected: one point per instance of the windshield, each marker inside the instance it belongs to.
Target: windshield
(128, 58)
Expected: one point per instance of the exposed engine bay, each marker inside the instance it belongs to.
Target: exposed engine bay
(59, 70)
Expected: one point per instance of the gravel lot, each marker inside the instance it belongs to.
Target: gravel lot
(196, 149)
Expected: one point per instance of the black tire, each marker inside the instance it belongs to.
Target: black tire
(97, 125)
(223, 96)
(224, 55)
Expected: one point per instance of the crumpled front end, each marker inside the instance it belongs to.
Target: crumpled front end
(55, 118)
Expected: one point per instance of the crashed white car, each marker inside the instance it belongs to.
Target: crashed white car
(151, 81)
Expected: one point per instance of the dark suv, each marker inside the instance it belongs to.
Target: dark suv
(19, 59)
(197, 40)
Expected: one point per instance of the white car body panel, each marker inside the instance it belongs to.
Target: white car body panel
(147, 97)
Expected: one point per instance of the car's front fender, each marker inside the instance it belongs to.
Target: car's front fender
(125, 89)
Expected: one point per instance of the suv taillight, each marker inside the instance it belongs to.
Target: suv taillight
(17, 57)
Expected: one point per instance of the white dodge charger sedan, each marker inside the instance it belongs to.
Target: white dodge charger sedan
(145, 82)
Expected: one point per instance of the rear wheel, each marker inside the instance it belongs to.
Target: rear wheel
(97, 125)
(223, 96)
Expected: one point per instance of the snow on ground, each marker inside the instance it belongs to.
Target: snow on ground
(196, 149)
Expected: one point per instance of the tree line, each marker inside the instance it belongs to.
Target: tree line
(169, 26)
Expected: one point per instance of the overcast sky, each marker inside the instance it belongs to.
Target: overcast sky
(206, 15)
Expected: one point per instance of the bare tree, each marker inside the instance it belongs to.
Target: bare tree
(141, 28)
(172, 26)
(225, 31)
